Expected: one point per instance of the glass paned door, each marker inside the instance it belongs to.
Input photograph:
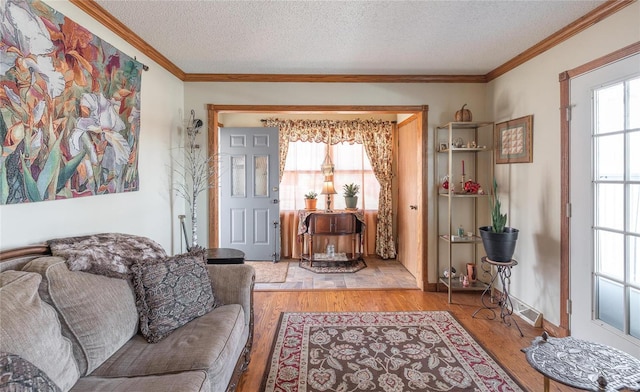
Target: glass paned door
(616, 200)
(604, 195)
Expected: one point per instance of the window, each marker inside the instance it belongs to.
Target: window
(302, 174)
(616, 189)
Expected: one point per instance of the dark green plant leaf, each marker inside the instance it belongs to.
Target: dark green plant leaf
(50, 169)
(68, 170)
(498, 219)
(4, 184)
(29, 182)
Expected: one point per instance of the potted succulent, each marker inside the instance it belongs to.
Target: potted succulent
(350, 195)
(499, 241)
(310, 200)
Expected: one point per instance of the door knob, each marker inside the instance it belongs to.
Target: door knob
(274, 201)
(413, 207)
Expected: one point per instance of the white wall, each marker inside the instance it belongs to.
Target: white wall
(151, 211)
(531, 191)
(443, 101)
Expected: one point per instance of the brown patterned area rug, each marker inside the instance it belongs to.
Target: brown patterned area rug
(379, 351)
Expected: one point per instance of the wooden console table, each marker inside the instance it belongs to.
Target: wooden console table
(334, 223)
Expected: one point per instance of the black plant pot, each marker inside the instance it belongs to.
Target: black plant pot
(499, 246)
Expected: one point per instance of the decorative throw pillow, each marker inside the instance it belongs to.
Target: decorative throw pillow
(109, 254)
(18, 374)
(171, 292)
(30, 328)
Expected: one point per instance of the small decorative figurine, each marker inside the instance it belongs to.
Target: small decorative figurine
(447, 186)
(446, 273)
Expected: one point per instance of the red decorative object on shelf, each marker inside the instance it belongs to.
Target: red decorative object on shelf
(446, 185)
(471, 187)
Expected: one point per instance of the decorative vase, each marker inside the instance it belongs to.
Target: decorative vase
(471, 272)
(499, 246)
(310, 204)
(351, 202)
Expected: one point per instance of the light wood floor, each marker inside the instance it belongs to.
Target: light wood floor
(500, 340)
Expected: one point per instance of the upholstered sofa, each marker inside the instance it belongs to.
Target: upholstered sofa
(68, 329)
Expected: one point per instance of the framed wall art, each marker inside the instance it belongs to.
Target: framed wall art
(513, 140)
(69, 108)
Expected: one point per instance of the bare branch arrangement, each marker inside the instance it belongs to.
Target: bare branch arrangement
(197, 173)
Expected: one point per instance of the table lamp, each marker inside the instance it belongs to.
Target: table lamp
(327, 185)
(328, 189)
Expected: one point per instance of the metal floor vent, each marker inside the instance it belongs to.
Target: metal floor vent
(527, 313)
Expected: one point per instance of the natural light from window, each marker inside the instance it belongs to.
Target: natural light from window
(616, 143)
(302, 174)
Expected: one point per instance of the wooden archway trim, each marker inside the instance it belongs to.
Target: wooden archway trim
(214, 110)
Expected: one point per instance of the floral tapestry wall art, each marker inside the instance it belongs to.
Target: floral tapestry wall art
(69, 108)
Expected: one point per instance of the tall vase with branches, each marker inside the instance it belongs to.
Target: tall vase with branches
(196, 172)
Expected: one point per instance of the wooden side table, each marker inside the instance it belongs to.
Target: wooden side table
(225, 256)
(582, 364)
(334, 223)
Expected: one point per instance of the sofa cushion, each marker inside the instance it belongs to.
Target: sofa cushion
(18, 374)
(195, 381)
(98, 313)
(171, 292)
(30, 328)
(109, 254)
(211, 343)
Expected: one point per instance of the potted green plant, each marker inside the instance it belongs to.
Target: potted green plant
(351, 195)
(310, 200)
(499, 241)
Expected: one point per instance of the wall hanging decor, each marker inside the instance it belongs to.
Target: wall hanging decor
(69, 108)
(514, 140)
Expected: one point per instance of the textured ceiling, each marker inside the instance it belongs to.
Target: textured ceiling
(344, 37)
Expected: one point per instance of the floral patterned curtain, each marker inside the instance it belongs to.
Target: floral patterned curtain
(375, 135)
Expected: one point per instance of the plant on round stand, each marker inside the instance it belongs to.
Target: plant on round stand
(350, 195)
(197, 172)
(499, 241)
(310, 200)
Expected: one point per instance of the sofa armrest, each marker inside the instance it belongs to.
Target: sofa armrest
(233, 284)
